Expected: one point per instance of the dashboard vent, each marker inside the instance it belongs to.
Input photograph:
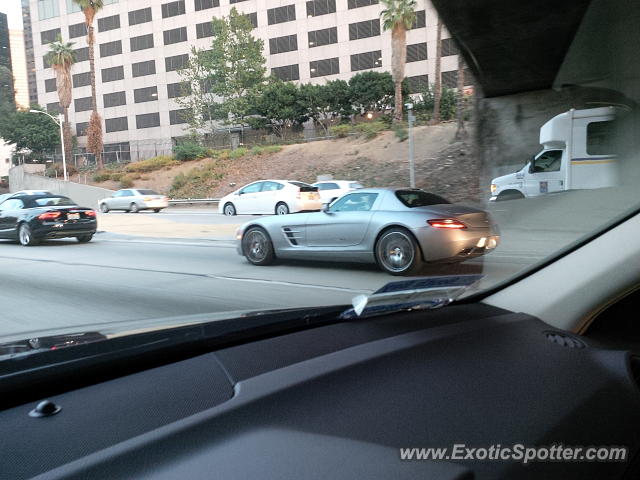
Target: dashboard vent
(565, 340)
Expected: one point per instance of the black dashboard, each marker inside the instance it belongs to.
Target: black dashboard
(339, 401)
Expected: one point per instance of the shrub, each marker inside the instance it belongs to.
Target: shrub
(116, 176)
(257, 150)
(179, 181)
(341, 131)
(126, 182)
(272, 149)
(189, 151)
(238, 152)
(401, 131)
(151, 164)
(101, 176)
(57, 168)
(370, 129)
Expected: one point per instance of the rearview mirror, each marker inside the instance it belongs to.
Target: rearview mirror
(325, 208)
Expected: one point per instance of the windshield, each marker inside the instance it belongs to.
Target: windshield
(325, 93)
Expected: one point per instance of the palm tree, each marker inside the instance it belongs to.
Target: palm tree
(94, 133)
(398, 16)
(461, 131)
(61, 57)
(437, 95)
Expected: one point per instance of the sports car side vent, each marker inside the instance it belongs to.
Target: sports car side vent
(291, 235)
(565, 340)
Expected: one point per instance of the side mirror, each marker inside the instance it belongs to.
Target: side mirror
(532, 167)
(325, 208)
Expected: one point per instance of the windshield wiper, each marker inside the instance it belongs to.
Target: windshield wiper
(419, 294)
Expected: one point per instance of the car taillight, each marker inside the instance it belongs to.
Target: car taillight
(89, 213)
(49, 216)
(447, 223)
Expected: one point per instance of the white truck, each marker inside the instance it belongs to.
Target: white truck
(576, 154)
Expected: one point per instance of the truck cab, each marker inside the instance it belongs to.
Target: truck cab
(577, 153)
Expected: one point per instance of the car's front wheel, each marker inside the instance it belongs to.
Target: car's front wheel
(282, 209)
(134, 208)
(157, 210)
(257, 246)
(229, 210)
(397, 252)
(85, 238)
(25, 236)
(104, 208)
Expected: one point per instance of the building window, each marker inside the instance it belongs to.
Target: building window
(114, 99)
(108, 23)
(176, 62)
(77, 30)
(366, 29)
(82, 104)
(81, 79)
(316, 8)
(54, 108)
(110, 48)
(204, 30)
(49, 36)
(45, 61)
(253, 18)
(81, 54)
(361, 3)
(119, 124)
(449, 47)
(112, 74)
(47, 9)
(117, 152)
(179, 89)
(287, 73)
(50, 85)
(281, 14)
(364, 61)
(73, 7)
(420, 21)
(141, 69)
(172, 9)
(322, 68)
(450, 79)
(140, 16)
(288, 43)
(416, 52)
(236, 1)
(175, 35)
(177, 117)
(147, 94)
(141, 43)
(81, 129)
(418, 83)
(204, 4)
(327, 36)
(148, 120)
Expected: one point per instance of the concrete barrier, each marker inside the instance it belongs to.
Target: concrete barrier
(84, 195)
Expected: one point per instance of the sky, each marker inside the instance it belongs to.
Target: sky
(14, 13)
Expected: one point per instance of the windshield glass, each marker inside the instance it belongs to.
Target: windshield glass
(410, 118)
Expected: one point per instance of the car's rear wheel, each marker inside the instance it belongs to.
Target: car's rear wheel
(397, 252)
(133, 208)
(25, 236)
(157, 210)
(84, 238)
(257, 246)
(229, 210)
(282, 209)
(104, 208)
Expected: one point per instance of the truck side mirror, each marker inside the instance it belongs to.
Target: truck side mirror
(532, 166)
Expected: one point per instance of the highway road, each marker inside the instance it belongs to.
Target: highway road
(120, 278)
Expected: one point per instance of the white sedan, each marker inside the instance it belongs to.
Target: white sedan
(133, 200)
(332, 189)
(278, 197)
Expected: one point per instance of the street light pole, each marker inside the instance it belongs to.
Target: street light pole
(411, 118)
(60, 123)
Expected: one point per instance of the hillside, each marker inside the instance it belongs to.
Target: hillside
(442, 167)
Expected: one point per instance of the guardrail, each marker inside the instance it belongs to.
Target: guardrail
(194, 201)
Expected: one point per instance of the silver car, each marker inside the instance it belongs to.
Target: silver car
(400, 229)
(133, 200)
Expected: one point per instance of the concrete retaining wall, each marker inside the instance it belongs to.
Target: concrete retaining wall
(84, 195)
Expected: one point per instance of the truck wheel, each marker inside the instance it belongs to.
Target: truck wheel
(509, 195)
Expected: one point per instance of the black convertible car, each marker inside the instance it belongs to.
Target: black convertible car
(31, 217)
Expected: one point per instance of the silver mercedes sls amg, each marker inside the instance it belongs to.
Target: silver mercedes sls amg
(399, 229)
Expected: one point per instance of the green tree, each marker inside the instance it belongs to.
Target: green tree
(373, 91)
(281, 105)
(233, 72)
(398, 16)
(326, 103)
(94, 132)
(196, 98)
(61, 57)
(7, 97)
(29, 131)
